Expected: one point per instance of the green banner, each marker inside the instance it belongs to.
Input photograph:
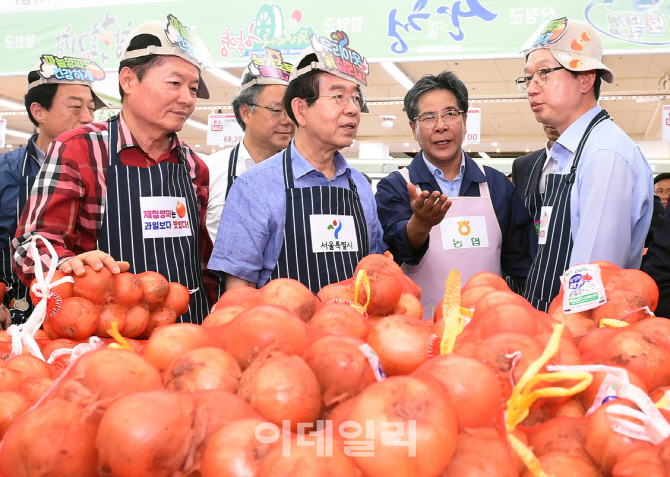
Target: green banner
(381, 30)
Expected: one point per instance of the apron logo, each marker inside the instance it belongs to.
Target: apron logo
(464, 228)
(337, 225)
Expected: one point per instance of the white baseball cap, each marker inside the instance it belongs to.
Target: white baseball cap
(176, 40)
(576, 45)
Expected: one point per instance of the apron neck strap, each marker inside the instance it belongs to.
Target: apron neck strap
(113, 137)
(288, 168)
(600, 117)
(232, 167)
(539, 161)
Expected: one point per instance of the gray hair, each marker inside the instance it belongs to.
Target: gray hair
(446, 80)
(249, 97)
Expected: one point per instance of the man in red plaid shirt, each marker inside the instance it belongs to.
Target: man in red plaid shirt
(127, 194)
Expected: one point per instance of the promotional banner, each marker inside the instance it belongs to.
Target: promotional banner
(382, 30)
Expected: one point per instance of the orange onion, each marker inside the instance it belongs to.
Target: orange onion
(158, 317)
(482, 452)
(96, 286)
(203, 368)
(223, 315)
(127, 290)
(169, 342)
(341, 319)
(77, 319)
(10, 380)
(409, 305)
(385, 291)
(35, 387)
(282, 387)
(108, 314)
(58, 344)
(64, 290)
(144, 434)
(178, 298)
(291, 294)
(564, 464)
(155, 289)
(401, 342)
(343, 290)
(564, 434)
(29, 365)
(407, 401)
(137, 320)
(340, 366)
(240, 296)
(12, 405)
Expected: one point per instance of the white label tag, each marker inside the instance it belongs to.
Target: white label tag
(464, 232)
(333, 233)
(545, 218)
(373, 359)
(582, 288)
(164, 217)
(223, 130)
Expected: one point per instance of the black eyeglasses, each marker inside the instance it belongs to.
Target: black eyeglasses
(523, 82)
(277, 113)
(342, 98)
(429, 120)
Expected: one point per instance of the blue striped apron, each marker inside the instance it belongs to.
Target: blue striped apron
(232, 168)
(297, 259)
(176, 258)
(22, 306)
(553, 257)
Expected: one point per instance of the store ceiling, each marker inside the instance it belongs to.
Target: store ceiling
(506, 117)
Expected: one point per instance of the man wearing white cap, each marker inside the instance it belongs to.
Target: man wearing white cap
(597, 202)
(259, 110)
(60, 97)
(127, 193)
(305, 213)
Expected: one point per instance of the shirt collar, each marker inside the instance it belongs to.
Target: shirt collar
(35, 151)
(302, 166)
(569, 140)
(438, 173)
(126, 138)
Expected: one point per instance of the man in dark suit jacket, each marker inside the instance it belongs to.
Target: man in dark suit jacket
(527, 171)
(657, 263)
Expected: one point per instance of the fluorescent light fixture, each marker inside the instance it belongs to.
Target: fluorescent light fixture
(226, 76)
(406, 144)
(494, 144)
(197, 124)
(7, 103)
(483, 155)
(8, 146)
(197, 145)
(22, 135)
(399, 76)
(497, 150)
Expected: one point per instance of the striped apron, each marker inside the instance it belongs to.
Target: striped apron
(297, 258)
(21, 307)
(553, 257)
(177, 258)
(232, 168)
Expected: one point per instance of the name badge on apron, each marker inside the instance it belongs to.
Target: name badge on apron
(333, 233)
(164, 217)
(464, 232)
(545, 218)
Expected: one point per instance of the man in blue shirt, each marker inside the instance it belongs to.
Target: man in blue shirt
(55, 104)
(598, 200)
(445, 211)
(305, 213)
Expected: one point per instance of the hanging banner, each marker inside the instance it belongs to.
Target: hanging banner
(666, 122)
(3, 132)
(223, 130)
(386, 30)
(473, 126)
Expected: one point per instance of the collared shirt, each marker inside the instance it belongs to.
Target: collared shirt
(39, 154)
(66, 203)
(519, 239)
(218, 182)
(251, 231)
(450, 188)
(612, 197)
(549, 168)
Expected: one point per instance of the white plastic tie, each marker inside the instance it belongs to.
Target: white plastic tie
(515, 358)
(653, 428)
(42, 289)
(78, 351)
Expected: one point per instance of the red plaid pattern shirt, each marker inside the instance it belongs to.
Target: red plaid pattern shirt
(66, 203)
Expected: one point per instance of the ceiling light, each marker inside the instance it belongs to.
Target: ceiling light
(527, 150)
(497, 150)
(213, 150)
(399, 76)
(413, 150)
(469, 150)
(197, 145)
(22, 135)
(226, 76)
(494, 144)
(197, 124)
(9, 146)
(406, 144)
(6, 103)
(483, 155)
(387, 121)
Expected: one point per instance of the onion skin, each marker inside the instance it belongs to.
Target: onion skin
(341, 319)
(96, 286)
(109, 314)
(52, 440)
(178, 299)
(282, 387)
(203, 368)
(292, 295)
(482, 452)
(169, 342)
(223, 315)
(137, 320)
(77, 319)
(127, 290)
(12, 405)
(159, 317)
(155, 289)
(564, 464)
(152, 431)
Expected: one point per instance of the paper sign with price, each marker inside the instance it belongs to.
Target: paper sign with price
(473, 126)
(3, 131)
(666, 123)
(223, 130)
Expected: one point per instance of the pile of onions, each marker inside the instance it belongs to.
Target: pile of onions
(203, 368)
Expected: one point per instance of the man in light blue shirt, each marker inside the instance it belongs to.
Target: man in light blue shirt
(449, 188)
(598, 201)
(305, 213)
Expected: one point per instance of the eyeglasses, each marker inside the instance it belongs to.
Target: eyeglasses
(523, 82)
(277, 113)
(342, 98)
(429, 120)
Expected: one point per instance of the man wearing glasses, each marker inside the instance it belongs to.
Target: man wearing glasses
(597, 202)
(445, 211)
(259, 110)
(305, 213)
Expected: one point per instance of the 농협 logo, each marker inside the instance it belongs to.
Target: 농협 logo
(337, 226)
(464, 227)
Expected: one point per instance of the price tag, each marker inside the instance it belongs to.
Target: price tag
(223, 130)
(3, 131)
(473, 126)
(582, 288)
